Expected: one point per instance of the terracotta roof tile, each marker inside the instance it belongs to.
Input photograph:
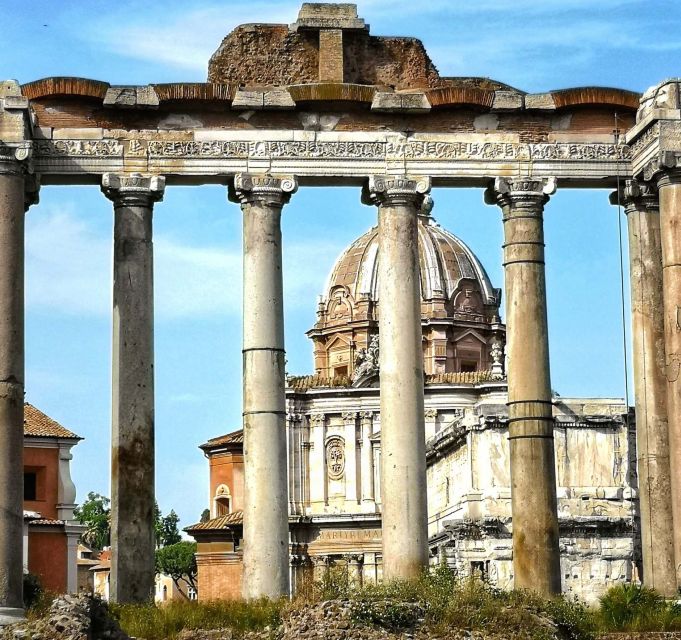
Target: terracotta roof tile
(236, 437)
(223, 522)
(37, 424)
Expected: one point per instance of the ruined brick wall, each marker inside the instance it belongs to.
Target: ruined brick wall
(401, 63)
(265, 55)
(272, 55)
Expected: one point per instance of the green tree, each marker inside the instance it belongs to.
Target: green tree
(170, 533)
(205, 515)
(179, 562)
(95, 514)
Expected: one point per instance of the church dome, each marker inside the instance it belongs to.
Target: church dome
(459, 306)
(444, 260)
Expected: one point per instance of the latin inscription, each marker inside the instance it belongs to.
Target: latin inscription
(416, 150)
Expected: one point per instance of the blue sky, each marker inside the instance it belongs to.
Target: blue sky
(531, 44)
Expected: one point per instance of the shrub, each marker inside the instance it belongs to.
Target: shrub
(630, 607)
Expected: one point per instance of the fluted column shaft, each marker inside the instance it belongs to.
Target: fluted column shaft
(403, 458)
(266, 536)
(132, 419)
(669, 186)
(12, 209)
(652, 436)
(536, 559)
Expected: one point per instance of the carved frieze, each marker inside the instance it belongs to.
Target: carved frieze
(79, 148)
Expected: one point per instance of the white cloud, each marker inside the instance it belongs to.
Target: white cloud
(184, 38)
(68, 263)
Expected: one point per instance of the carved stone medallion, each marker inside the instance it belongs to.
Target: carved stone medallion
(335, 457)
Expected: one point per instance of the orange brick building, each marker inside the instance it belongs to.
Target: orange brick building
(219, 556)
(50, 532)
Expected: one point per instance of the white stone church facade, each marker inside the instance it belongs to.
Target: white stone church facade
(334, 438)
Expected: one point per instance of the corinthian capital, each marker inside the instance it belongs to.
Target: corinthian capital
(398, 190)
(133, 190)
(262, 188)
(636, 195)
(525, 192)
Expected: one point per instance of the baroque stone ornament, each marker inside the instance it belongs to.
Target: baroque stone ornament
(366, 362)
(497, 355)
(335, 457)
(133, 190)
(252, 188)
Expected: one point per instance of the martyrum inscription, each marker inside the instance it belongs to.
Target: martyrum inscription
(417, 150)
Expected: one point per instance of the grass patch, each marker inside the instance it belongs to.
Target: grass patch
(165, 622)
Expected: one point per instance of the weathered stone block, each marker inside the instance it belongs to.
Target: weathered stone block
(539, 101)
(388, 101)
(320, 15)
(127, 97)
(507, 100)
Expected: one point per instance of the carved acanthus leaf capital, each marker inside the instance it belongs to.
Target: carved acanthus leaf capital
(262, 188)
(133, 190)
(636, 195)
(317, 419)
(521, 192)
(349, 416)
(398, 190)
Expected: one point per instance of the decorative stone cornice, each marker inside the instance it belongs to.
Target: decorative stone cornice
(636, 195)
(655, 140)
(262, 189)
(133, 190)
(521, 193)
(392, 191)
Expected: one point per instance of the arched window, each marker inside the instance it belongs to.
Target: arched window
(223, 501)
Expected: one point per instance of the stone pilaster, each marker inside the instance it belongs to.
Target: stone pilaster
(367, 461)
(14, 164)
(266, 536)
(536, 558)
(132, 413)
(403, 457)
(655, 141)
(652, 438)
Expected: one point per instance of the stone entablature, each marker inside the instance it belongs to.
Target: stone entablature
(196, 155)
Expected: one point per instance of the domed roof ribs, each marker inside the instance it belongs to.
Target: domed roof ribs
(429, 270)
(489, 293)
(366, 282)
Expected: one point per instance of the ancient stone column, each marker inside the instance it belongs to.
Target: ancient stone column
(132, 418)
(652, 436)
(669, 186)
(266, 535)
(403, 457)
(536, 559)
(12, 209)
